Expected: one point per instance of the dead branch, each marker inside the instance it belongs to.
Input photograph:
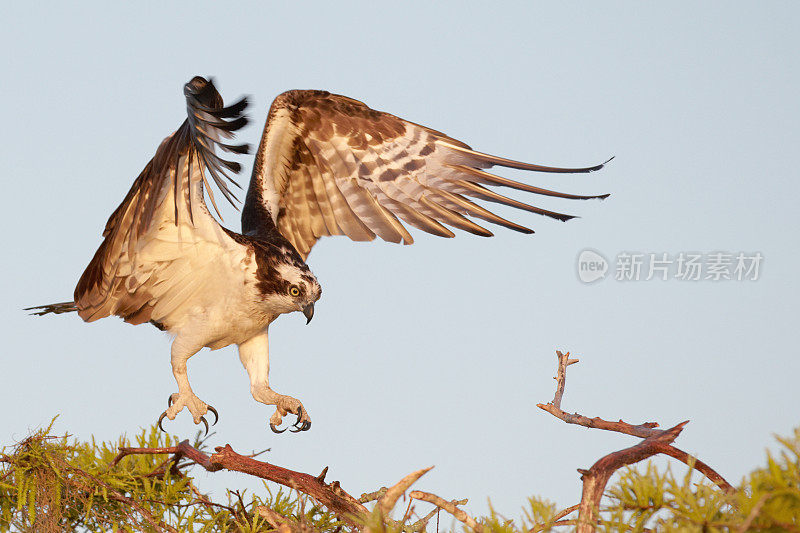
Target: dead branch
(561, 376)
(596, 478)
(330, 495)
(388, 500)
(645, 430)
(697, 464)
(184, 449)
(372, 496)
(556, 519)
(275, 519)
(566, 511)
(447, 506)
(420, 524)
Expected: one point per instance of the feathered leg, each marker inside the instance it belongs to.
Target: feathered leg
(185, 397)
(254, 354)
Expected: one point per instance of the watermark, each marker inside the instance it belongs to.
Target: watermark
(681, 266)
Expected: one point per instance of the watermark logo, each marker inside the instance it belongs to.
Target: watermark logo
(591, 266)
(681, 266)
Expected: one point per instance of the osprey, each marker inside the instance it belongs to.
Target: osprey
(326, 165)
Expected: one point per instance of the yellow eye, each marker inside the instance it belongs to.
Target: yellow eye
(294, 291)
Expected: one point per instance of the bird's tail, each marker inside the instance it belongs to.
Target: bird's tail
(62, 307)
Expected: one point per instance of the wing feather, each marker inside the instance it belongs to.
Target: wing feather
(360, 172)
(163, 219)
(320, 196)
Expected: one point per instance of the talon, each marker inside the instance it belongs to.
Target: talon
(300, 425)
(169, 401)
(274, 429)
(216, 415)
(160, 419)
(205, 423)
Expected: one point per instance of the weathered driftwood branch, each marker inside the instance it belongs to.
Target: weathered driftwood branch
(596, 478)
(645, 430)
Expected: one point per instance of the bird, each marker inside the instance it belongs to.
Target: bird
(326, 165)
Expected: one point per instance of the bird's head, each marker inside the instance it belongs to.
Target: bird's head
(298, 289)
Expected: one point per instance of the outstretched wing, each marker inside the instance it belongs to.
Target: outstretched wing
(330, 165)
(163, 223)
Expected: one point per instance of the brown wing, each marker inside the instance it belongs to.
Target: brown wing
(330, 165)
(167, 194)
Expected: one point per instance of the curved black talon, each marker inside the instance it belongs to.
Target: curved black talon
(205, 423)
(160, 419)
(169, 401)
(216, 415)
(305, 427)
(298, 427)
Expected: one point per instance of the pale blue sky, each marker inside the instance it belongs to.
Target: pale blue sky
(434, 354)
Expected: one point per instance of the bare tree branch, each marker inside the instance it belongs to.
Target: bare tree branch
(372, 496)
(555, 519)
(596, 478)
(645, 430)
(275, 519)
(330, 495)
(388, 500)
(447, 506)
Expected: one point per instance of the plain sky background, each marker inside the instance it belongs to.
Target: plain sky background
(437, 353)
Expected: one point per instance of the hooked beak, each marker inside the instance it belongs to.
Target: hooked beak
(308, 311)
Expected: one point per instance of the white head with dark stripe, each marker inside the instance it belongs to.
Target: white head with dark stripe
(286, 282)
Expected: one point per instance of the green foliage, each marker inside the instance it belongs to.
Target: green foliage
(51, 484)
(767, 500)
(54, 484)
(642, 499)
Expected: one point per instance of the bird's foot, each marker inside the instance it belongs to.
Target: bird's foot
(285, 405)
(177, 401)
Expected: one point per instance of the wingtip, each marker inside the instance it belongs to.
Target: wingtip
(604, 163)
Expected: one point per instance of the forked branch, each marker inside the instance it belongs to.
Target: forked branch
(655, 441)
(645, 430)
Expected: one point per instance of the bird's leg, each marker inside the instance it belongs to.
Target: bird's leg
(185, 397)
(254, 354)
